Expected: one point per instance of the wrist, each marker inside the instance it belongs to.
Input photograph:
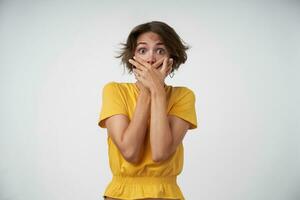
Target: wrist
(145, 94)
(158, 92)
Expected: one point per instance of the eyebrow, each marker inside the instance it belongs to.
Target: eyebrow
(159, 43)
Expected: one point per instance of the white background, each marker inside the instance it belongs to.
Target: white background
(243, 65)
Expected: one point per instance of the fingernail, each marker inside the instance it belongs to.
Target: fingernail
(134, 57)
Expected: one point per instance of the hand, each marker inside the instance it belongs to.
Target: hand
(152, 75)
(142, 88)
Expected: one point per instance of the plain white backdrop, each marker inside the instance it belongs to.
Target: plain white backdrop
(243, 65)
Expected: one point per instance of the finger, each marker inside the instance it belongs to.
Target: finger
(158, 63)
(140, 78)
(165, 66)
(136, 72)
(137, 77)
(136, 64)
(142, 62)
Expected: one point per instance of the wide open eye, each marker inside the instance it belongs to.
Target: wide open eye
(141, 50)
(161, 51)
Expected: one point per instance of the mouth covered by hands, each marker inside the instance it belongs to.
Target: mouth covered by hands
(152, 76)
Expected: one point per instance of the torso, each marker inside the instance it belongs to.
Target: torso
(167, 170)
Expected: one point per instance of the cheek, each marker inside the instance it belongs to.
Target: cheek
(140, 56)
(161, 56)
(158, 57)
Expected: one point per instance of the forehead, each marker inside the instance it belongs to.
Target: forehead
(149, 37)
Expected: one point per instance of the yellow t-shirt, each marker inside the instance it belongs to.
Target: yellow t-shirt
(146, 179)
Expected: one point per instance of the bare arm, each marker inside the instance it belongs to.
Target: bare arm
(129, 135)
(166, 132)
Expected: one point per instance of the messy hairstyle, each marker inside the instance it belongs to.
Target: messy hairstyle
(174, 44)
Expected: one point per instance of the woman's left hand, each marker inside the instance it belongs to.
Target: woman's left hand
(152, 76)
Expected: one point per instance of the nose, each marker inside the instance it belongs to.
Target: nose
(151, 58)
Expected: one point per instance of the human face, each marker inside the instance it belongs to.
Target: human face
(150, 47)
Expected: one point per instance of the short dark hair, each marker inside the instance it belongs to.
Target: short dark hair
(174, 44)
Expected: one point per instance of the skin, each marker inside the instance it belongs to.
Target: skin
(152, 65)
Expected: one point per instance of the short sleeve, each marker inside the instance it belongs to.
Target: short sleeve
(112, 103)
(184, 107)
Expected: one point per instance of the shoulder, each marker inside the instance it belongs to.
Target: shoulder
(121, 89)
(183, 91)
(110, 84)
(113, 85)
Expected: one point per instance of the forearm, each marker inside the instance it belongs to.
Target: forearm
(134, 136)
(160, 134)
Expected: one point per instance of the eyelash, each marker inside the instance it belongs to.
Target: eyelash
(163, 50)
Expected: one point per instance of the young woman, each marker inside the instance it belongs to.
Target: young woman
(147, 120)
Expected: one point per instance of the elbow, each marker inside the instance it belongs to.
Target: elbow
(131, 156)
(159, 157)
(163, 153)
(132, 159)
